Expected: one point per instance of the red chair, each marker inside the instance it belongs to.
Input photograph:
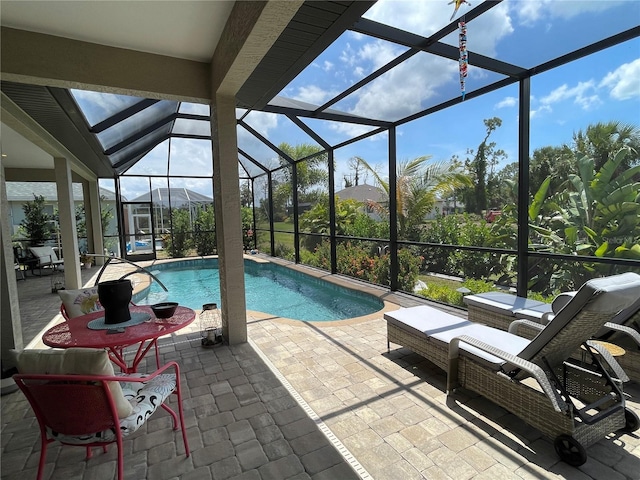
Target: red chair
(93, 410)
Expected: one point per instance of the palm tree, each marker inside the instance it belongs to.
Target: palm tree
(418, 186)
(602, 140)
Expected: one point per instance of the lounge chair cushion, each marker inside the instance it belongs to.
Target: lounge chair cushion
(501, 302)
(80, 302)
(74, 361)
(443, 327)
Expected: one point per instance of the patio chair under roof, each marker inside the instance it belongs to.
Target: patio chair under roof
(574, 403)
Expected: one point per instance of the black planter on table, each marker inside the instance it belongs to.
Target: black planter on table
(115, 297)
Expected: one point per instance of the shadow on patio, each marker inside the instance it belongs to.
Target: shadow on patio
(299, 396)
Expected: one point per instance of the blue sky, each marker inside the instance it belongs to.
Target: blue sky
(598, 88)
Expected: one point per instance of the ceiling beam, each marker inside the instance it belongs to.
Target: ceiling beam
(15, 118)
(40, 59)
(250, 31)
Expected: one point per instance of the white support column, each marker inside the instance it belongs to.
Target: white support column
(228, 219)
(92, 211)
(68, 230)
(10, 323)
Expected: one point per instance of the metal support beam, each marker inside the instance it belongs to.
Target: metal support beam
(523, 186)
(393, 211)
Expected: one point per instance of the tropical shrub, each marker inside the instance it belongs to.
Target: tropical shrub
(179, 241)
(284, 251)
(449, 294)
(204, 235)
(468, 230)
(362, 260)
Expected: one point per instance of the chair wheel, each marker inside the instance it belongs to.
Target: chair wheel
(570, 451)
(632, 422)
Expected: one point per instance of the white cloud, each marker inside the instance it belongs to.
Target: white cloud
(404, 89)
(540, 111)
(624, 82)
(262, 121)
(401, 91)
(378, 53)
(532, 11)
(352, 130)
(581, 95)
(427, 17)
(348, 55)
(313, 94)
(327, 66)
(507, 102)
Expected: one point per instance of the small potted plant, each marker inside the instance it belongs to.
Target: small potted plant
(86, 260)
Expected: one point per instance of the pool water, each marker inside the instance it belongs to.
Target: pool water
(269, 288)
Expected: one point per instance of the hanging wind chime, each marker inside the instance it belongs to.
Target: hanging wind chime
(464, 56)
(462, 44)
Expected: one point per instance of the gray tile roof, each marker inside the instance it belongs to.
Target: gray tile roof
(363, 193)
(24, 191)
(179, 197)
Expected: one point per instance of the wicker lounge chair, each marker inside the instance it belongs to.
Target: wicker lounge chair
(575, 404)
(623, 330)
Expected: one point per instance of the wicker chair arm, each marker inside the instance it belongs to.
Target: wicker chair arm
(607, 357)
(513, 326)
(558, 404)
(632, 332)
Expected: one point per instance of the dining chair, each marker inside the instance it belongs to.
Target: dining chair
(78, 400)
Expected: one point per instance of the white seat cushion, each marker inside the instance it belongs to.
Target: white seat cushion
(443, 327)
(501, 302)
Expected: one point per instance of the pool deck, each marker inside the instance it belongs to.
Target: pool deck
(302, 400)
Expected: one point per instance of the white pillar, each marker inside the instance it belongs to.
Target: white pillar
(228, 219)
(10, 323)
(92, 212)
(68, 230)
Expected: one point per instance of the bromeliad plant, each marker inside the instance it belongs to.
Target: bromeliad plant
(597, 215)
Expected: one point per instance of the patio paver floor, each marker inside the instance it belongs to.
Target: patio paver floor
(387, 412)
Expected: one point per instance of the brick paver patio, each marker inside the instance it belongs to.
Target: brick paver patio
(313, 400)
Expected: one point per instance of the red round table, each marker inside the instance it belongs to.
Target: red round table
(75, 333)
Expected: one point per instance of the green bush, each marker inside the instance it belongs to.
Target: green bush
(179, 241)
(284, 251)
(204, 237)
(442, 293)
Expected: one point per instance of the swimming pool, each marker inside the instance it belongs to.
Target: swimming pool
(269, 288)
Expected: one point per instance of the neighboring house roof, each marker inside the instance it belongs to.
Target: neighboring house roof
(24, 192)
(363, 193)
(179, 197)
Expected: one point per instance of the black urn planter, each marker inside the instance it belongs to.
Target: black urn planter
(115, 296)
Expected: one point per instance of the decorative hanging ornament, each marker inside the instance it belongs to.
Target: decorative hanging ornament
(464, 56)
(457, 4)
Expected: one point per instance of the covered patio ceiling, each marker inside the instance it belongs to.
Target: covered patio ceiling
(110, 132)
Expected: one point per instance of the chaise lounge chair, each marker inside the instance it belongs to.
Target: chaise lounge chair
(623, 330)
(506, 312)
(573, 403)
(47, 258)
